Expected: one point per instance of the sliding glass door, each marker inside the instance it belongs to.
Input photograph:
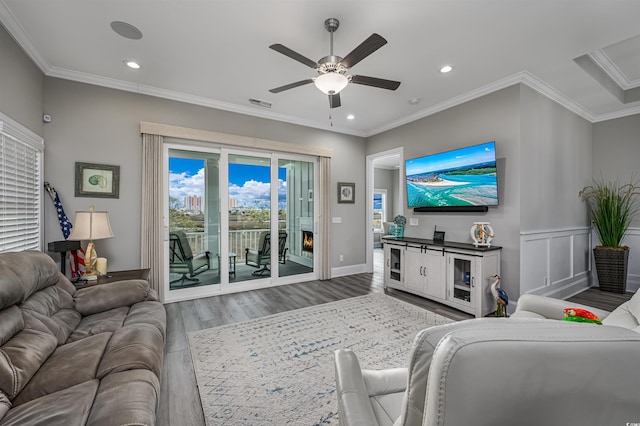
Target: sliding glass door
(296, 213)
(194, 218)
(238, 220)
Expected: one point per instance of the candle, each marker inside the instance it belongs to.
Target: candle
(101, 265)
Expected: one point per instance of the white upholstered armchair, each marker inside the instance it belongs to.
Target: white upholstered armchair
(492, 371)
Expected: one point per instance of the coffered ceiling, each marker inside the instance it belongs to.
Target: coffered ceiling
(585, 54)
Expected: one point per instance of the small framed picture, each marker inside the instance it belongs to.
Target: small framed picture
(438, 236)
(97, 180)
(346, 192)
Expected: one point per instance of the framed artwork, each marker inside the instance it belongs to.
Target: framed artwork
(97, 180)
(346, 192)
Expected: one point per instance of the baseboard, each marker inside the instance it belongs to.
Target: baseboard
(342, 271)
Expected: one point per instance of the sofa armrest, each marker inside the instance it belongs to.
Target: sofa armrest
(540, 372)
(534, 306)
(354, 407)
(104, 297)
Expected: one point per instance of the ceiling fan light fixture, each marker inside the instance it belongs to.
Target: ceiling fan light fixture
(331, 83)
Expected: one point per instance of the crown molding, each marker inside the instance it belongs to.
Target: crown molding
(14, 28)
(191, 99)
(524, 77)
(602, 60)
(555, 95)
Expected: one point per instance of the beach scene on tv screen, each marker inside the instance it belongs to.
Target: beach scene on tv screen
(463, 177)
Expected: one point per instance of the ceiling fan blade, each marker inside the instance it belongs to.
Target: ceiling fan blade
(334, 100)
(294, 55)
(366, 48)
(291, 86)
(375, 82)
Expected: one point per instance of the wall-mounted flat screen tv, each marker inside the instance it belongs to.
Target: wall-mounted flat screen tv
(458, 178)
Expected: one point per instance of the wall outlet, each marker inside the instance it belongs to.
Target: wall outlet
(341, 258)
(413, 221)
(337, 219)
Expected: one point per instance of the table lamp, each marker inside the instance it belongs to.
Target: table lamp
(91, 225)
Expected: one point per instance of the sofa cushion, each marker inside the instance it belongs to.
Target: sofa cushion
(100, 298)
(69, 365)
(139, 346)
(149, 312)
(5, 404)
(21, 357)
(101, 322)
(11, 323)
(11, 292)
(126, 398)
(68, 407)
(34, 270)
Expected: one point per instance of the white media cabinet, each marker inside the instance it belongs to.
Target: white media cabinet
(455, 274)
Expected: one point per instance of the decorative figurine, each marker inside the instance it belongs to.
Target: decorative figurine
(481, 234)
(400, 221)
(581, 315)
(501, 296)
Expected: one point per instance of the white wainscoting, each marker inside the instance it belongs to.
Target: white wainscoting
(555, 263)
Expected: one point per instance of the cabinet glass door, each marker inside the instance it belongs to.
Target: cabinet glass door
(462, 279)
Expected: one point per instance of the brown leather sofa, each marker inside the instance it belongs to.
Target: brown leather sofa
(91, 356)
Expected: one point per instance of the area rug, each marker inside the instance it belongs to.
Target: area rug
(278, 370)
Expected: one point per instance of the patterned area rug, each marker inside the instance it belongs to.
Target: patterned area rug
(278, 370)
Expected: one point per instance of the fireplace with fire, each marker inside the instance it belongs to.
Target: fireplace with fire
(307, 241)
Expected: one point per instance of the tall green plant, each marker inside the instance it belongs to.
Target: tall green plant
(612, 207)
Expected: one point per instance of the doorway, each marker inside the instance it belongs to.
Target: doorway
(385, 173)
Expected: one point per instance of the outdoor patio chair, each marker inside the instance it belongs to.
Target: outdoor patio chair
(261, 257)
(182, 260)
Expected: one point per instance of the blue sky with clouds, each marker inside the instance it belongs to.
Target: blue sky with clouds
(248, 183)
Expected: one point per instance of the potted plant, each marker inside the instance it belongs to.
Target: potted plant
(612, 207)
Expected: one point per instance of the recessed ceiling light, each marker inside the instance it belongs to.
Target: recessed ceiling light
(445, 69)
(414, 101)
(132, 64)
(350, 117)
(126, 30)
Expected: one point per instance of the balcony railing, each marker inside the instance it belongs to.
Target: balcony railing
(238, 241)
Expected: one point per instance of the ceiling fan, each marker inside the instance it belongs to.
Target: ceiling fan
(332, 69)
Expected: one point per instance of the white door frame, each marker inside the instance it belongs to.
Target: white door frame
(399, 197)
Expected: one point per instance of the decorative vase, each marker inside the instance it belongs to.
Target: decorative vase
(611, 267)
(481, 234)
(399, 231)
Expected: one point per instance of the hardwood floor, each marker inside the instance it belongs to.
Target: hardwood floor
(179, 398)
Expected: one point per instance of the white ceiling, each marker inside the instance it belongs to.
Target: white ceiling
(215, 53)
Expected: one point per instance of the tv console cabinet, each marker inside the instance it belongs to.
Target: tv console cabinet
(455, 274)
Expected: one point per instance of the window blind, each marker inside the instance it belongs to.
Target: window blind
(20, 187)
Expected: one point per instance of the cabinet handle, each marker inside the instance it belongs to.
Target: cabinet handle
(473, 281)
(421, 270)
(389, 262)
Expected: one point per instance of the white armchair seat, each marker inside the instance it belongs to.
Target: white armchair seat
(528, 370)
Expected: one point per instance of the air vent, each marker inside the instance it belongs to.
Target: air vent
(258, 102)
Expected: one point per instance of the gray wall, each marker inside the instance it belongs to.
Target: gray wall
(555, 164)
(96, 124)
(21, 85)
(616, 150)
(494, 117)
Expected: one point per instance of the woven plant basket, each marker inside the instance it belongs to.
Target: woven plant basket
(611, 267)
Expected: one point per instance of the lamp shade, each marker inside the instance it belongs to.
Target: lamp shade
(331, 83)
(91, 225)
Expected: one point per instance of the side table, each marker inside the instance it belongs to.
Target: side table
(131, 274)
